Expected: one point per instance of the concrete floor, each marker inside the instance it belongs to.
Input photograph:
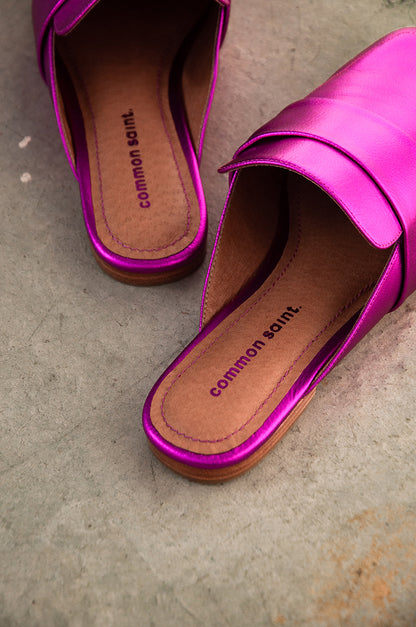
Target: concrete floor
(94, 531)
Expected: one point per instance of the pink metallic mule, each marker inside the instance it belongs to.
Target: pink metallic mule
(317, 242)
(132, 84)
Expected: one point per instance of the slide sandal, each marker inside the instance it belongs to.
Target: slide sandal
(132, 84)
(317, 242)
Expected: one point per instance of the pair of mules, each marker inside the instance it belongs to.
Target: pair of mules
(319, 222)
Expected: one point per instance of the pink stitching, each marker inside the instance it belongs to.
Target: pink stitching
(57, 107)
(340, 354)
(351, 302)
(213, 79)
(216, 250)
(114, 237)
(159, 79)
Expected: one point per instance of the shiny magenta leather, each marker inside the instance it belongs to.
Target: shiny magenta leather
(53, 18)
(355, 138)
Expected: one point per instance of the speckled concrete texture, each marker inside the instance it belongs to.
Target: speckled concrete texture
(94, 531)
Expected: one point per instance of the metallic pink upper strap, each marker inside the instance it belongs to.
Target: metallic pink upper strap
(381, 149)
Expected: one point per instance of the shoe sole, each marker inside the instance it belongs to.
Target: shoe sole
(152, 278)
(218, 475)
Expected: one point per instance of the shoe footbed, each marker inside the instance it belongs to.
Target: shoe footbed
(214, 400)
(119, 59)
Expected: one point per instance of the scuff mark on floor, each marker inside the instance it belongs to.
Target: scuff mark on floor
(25, 141)
(26, 177)
(369, 570)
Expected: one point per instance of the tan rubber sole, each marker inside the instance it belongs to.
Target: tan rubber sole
(154, 278)
(217, 475)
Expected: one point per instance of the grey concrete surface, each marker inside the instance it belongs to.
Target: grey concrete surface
(94, 531)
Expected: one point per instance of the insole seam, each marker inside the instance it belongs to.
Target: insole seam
(258, 304)
(217, 248)
(209, 96)
(218, 251)
(281, 274)
(283, 377)
(230, 326)
(83, 87)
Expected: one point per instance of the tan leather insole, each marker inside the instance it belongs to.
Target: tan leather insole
(119, 59)
(214, 400)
